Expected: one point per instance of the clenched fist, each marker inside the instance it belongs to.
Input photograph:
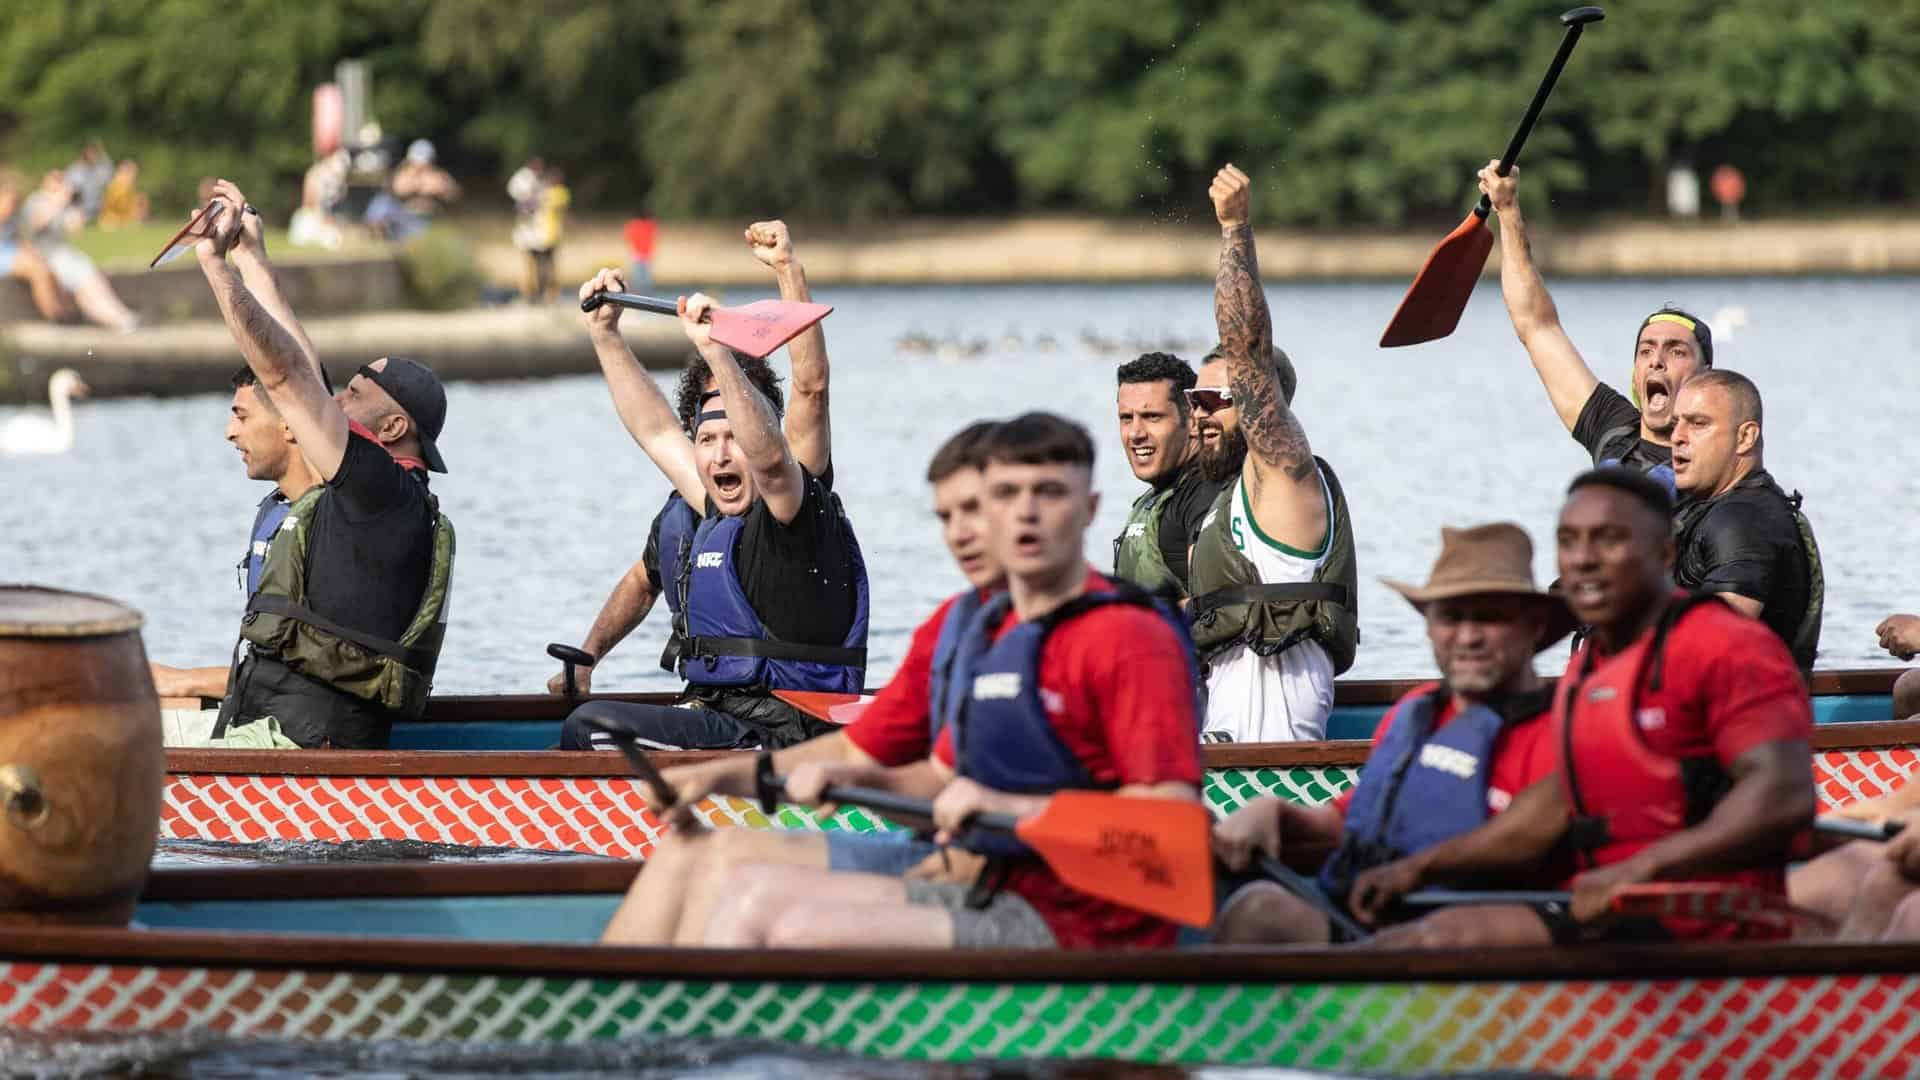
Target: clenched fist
(771, 243)
(1232, 195)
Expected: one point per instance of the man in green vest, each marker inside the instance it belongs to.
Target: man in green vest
(1155, 432)
(1274, 582)
(344, 628)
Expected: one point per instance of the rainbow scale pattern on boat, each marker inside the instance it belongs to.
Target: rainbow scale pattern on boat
(1840, 1026)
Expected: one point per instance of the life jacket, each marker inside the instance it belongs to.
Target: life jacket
(722, 641)
(1626, 795)
(1231, 606)
(1136, 551)
(266, 523)
(678, 523)
(946, 649)
(1002, 735)
(1805, 642)
(395, 675)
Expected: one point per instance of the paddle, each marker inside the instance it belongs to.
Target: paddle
(1682, 899)
(570, 658)
(832, 708)
(1432, 306)
(1858, 830)
(184, 240)
(754, 329)
(1297, 884)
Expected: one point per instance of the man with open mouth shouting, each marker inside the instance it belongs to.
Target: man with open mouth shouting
(758, 560)
(1670, 347)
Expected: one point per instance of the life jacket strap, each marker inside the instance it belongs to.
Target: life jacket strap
(697, 647)
(1302, 592)
(415, 658)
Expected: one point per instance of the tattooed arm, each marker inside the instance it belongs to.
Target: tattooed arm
(1283, 483)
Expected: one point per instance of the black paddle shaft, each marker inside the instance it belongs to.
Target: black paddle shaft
(1300, 886)
(636, 301)
(1858, 830)
(1575, 21)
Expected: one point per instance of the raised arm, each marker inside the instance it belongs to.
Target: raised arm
(809, 429)
(291, 380)
(1568, 379)
(1283, 482)
(756, 430)
(250, 258)
(649, 417)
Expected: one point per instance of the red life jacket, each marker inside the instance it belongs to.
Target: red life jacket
(1625, 794)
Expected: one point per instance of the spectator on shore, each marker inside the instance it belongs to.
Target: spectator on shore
(19, 258)
(49, 215)
(415, 194)
(124, 203)
(524, 187)
(89, 176)
(321, 192)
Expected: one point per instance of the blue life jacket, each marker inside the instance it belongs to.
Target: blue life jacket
(1419, 786)
(946, 648)
(674, 540)
(266, 522)
(1002, 735)
(722, 641)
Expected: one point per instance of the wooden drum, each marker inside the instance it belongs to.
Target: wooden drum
(81, 767)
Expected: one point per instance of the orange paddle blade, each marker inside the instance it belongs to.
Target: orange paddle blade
(1153, 855)
(833, 708)
(1432, 306)
(758, 328)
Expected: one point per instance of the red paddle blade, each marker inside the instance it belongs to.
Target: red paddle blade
(182, 242)
(1432, 306)
(758, 328)
(1152, 855)
(833, 708)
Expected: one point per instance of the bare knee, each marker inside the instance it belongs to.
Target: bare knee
(1468, 927)
(755, 901)
(1906, 694)
(1905, 924)
(792, 928)
(1265, 913)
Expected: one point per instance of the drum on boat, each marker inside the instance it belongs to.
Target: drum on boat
(81, 767)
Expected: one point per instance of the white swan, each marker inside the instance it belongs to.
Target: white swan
(33, 433)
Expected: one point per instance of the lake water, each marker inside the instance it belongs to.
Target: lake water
(552, 499)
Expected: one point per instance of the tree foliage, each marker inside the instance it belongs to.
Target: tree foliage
(1345, 111)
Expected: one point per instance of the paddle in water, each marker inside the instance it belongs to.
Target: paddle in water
(754, 329)
(1432, 306)
(1152, 855)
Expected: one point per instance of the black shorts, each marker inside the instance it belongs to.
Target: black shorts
(1640, 930)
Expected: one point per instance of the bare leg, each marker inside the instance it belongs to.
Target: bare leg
(1905, 924)
(1263, 913)
(723, 854)
(1877, 892)
(101, 305)
(1829, 884)
(651, 909)
(1906, 694)
(48, 299)
(821, 908)
(1479, 926)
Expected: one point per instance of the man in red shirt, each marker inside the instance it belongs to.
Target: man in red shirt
(1684, 734)
(670, 902)
(1445, 758)
(1065, 682)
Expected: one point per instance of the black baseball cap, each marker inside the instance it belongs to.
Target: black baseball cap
(414, 387)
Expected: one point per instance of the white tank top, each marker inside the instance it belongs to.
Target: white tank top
(1281, 698)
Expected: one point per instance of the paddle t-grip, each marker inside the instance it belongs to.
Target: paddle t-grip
(1575, 21)
(630, 300)
(571, 658)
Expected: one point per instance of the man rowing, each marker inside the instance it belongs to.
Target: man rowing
(806, 429)
(1670, 346)
(1446, 757)
(1156, 435)
(769, 589)
(1063, 682)
(1684, 734)
(1868, 890)
(1740, 536)
(1274, 582)
(345, 620)
(687, 872)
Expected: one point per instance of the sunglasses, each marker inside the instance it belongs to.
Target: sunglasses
(1210, 399)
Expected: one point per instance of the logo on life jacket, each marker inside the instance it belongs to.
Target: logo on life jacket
(1651, 719)
(996, 686)
(709, 560)
(1449, 760)
(1135, 528)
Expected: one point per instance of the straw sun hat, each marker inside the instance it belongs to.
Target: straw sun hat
(1495, 558)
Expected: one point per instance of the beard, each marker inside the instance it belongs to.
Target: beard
(1220, 460)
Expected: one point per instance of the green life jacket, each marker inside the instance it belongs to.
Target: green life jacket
(1136, 551)
(1806, 637)
(395, 675)
(1231, 606)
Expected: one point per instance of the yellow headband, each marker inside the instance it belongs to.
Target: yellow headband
(1667, 316)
